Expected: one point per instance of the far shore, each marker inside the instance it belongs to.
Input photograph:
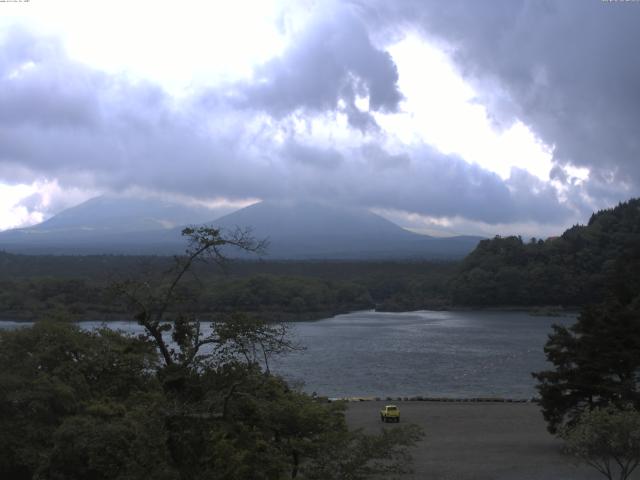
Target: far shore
(287, 317)
(536, 310)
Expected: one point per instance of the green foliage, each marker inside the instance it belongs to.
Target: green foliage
(596, 363)
(99, 405)
(608, 439)
(597, 360)
(289, 295)
(59, 384)
(275, 291)
(574, 269)
(31, 287)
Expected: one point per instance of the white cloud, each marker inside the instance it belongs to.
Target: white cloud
(441, 109)
(11, 213)
(177, 44)
(26, 204)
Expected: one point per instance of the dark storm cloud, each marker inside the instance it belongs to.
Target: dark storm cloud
(569, 69)
(136, 136)
(332, 62)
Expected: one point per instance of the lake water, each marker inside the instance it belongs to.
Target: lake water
(436, 354)
(452, 354)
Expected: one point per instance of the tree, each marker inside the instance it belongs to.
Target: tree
(80, 405)
(607, 439)
(154, 305)
(597, 360)
(596, 363)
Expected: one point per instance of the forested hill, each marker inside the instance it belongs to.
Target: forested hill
(577, 268)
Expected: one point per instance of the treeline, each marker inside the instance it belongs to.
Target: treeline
(574, 269)
(282, 298)
(275, 298)
(77, 288)
(47, 298)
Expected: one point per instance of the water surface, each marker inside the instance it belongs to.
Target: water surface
(439, 354)
(457, 354)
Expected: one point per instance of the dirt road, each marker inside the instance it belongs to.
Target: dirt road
(478, 441)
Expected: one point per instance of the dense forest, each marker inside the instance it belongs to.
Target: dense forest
(79, 287)
(571, 270)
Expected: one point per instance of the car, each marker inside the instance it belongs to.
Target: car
(390, 413)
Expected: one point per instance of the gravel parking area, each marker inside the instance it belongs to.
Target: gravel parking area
(478, 441)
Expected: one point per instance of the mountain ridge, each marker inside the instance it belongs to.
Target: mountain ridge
(295, 230)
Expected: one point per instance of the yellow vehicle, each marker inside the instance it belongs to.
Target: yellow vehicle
(390, 413)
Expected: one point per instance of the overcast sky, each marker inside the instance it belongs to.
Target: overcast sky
(490, 117)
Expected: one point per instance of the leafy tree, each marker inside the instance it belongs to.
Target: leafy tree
(70, 399)
(596, 363)
(597, 360)
(608, 439)
(152, 304)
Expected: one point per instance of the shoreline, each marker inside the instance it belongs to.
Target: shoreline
(541, 310)
(289, 317)
(419, 398)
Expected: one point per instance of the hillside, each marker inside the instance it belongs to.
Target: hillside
(579, 267)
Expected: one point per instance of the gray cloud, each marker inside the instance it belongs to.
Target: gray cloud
(41, 86)
(444, 186)
(381, 159)
(135, 136)
(569, 69)
(312, 156)
(332, 61)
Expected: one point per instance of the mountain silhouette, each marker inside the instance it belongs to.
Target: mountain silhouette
(294, 230)
(308, 230)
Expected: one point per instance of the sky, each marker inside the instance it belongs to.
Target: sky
(458, 117)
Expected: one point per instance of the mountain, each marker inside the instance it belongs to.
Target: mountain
(109, 224)
(307, 230)
(295, 230)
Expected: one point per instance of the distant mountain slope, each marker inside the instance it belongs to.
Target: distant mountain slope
(295, 230)
(109, 224)
(127, 214)
(574, 269)
(309, 230)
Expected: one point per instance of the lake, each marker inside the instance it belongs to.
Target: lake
(438, 354)
(435, 354)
